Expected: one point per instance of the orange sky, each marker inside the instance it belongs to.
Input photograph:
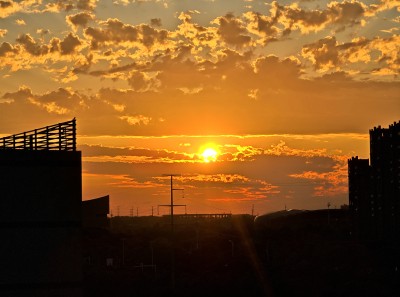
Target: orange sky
(284, 91)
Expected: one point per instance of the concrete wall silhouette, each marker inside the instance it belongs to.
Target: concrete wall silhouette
(40, 220)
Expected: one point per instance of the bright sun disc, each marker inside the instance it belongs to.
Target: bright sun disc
(209, 154)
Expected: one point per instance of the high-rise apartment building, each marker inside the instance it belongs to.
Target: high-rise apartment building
(359, 198)
(374, 189)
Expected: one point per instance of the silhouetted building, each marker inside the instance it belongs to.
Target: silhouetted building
(95, 212)
(294, 220)
(385, 174)
(360, 204)
(40, 219)
(374, 191)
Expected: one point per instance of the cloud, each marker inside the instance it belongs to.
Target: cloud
(136, 120)
(328, 53)
(87, 4)
(24, 93)
(142, 82)
(69, 44)
(79, 20)
(114, 31)
(68, 5)
(53, 56)
(7, 48)
(232, 30)
(276, 70)
(156, 22)
(36, 48)
(100, 153)
(60, 102)
(9, 7)
(43, 32)
(263, 25)
(123, 181)
(282, 149)
(66, 46)
(331, 183)
(20, 22)
(339, 15)
(323, 54)
(32, 46)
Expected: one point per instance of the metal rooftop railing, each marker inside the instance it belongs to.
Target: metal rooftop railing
(60, 137)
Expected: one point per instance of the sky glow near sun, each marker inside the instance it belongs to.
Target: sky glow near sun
(252, 102)
(209, 154)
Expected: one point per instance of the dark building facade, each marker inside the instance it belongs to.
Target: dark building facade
(359, 195)
(374, 190)
(40, 219)
(95, 212)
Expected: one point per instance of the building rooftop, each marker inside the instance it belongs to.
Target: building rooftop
(59, 137)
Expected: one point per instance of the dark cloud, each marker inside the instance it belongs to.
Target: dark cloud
(86, 4)
(138, 81)
(80, 19)
(32, 46)
(69, 44)
(21, 95)
(150, 155)
(156, 22)
(68, 5)
(5, 4)
(323, 53)
(347, 13)
(276, 71)
(328, 53)
(115, 31)
(233, 31)
(5, 48)
(264, 25)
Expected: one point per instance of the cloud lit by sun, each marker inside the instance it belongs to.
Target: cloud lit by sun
(209, 154)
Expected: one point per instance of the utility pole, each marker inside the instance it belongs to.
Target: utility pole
(172, 205)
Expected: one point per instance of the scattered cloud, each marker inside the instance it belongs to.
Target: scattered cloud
(136, 120)
(20, 22)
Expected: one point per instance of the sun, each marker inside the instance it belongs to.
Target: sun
(209, 154)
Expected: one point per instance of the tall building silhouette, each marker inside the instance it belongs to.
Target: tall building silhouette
(374, 189)
(359, 198)
(40, 219)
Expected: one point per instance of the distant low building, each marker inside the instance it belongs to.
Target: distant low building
(40, 219)
(95, 212)
(298, 222)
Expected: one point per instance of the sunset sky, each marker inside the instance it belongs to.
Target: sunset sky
(281, 93)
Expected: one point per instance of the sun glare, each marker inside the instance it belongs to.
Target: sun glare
(209, 154)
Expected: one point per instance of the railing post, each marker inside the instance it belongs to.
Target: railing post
(74, 134)
(59, 137)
